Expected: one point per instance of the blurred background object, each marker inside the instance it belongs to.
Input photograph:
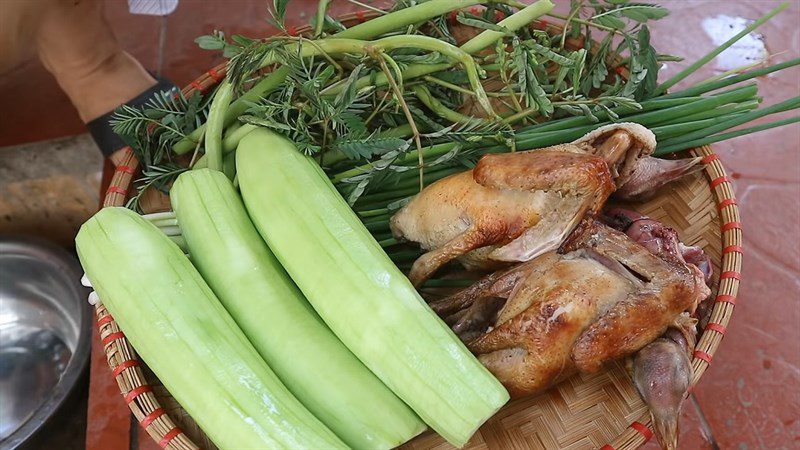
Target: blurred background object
(45, 327)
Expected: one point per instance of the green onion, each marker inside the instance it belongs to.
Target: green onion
(785, 105)
(724, 136)
(705, 59)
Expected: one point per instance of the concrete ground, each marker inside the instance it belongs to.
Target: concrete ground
(48, 189)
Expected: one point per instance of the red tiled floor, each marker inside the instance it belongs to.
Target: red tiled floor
(751, 393)
(108, 422)
(692, 435)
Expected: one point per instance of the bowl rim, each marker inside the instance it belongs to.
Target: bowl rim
(68, 265)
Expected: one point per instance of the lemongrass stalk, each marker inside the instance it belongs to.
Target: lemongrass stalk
(407, 186)
(624, 112)
(384, 196)
(406, 158)
(739, 94)
(786, 105)
(370, 29)
(433, 174)
(723, 136)
(216, 124)
(711, 55)
(377, 226)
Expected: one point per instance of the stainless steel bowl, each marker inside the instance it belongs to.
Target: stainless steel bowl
(45, 331)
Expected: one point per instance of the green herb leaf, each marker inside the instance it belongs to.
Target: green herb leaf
(278, 12)
(482, 24)
(369, 147)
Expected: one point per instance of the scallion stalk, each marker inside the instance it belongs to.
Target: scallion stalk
(786, 105)
(711, 55)
(723, 136)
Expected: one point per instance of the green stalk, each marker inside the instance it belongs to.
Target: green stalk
(401, 131)
(485, 39)
(729, 73)
(785, 105)
(216, 123)
(267, 84)
(536, 138)
(322, 10)
(406, 158)
(705, 59)
(664, 132)
(154, 217)
(438, 108)
(714, 85)
(380, 25)
(373, 213)
(388, 242)
(622, 111)
(723, 136)
(234, 135)
(716, 112)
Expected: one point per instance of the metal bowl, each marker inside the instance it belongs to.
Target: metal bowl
(45, 331)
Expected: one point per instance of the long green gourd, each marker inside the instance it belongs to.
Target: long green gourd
(183, 333)
(358, 292)
(316, 367)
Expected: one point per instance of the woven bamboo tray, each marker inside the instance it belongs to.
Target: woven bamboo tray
(601, 410)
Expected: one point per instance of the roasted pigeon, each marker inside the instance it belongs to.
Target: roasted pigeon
(604, 298)
(514, 207)
(531, 323)
(662, 370)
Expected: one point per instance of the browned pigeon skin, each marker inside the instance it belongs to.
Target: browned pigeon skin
(662, 373)
(605, 298)
(513, 207)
